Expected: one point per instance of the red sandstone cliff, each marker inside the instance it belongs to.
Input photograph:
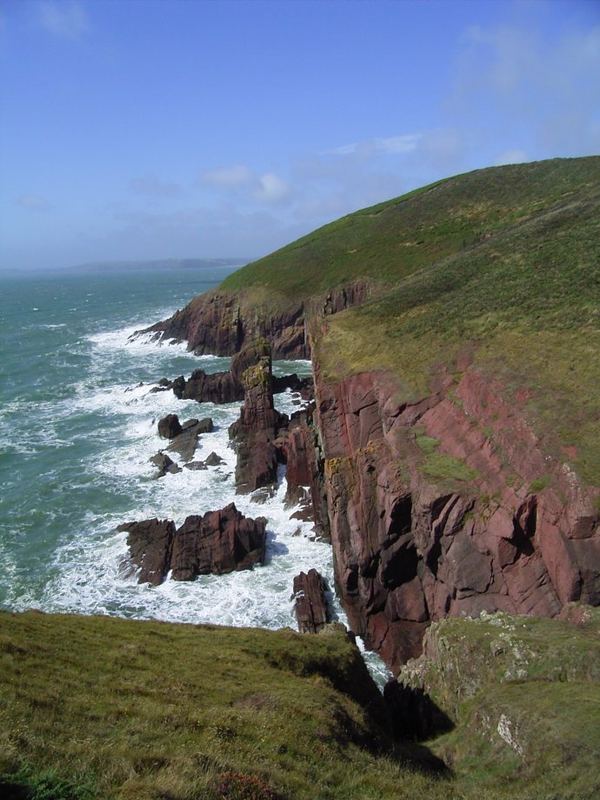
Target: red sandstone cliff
(222, 324)
(449, 505)
(411, 546)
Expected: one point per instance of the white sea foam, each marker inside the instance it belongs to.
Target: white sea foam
(90, 572)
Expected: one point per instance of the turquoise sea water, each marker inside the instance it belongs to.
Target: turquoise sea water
(77, 429)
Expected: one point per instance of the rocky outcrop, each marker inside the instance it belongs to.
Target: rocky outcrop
(310, 602)
(255, 432)
(186, 441)
(218, 542)
(164, 464)
(216, 387)
(222, 323)
(228, 387)
(169, 427)
(214, 323)
(298, 448)
(150, 543)
(448, 505)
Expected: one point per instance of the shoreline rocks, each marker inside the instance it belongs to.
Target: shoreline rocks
(311, 607)
(215, 543)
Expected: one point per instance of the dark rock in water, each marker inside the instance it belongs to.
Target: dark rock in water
(261, 496)
(187, 440)
(189, 423)
(164, 464)
(256, 429)
(216, 387)
(195, 465)
(311, 607)
(219, 542)
(169, 426)
(213, 460)
(178, 386)
(163, 385)
(298, 448)
(150, 544)
(204, 425)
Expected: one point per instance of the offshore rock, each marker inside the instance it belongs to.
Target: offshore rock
(310, 607)
(150, 543)
(186, 442)
(216, 387)
(257, 428)
(164, 464)
(218, 542)
(169, 426)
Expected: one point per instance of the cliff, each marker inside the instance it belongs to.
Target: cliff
(523, 695)
(455, 339)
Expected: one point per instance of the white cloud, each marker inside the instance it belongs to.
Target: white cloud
(271, 188)
(67, 19)
(232, 177)
(267, 188)
(391, 145)
(33, 202)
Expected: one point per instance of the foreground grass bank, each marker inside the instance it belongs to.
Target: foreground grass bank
(95, 707)
(100, 708)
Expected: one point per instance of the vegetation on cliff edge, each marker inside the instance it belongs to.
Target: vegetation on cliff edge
(503, 263)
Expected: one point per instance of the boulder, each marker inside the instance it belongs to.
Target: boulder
(185, 443)
(164, 464)
(213, 460)
(150, 543)
(310, 607)
(218, 542)
(169, 426)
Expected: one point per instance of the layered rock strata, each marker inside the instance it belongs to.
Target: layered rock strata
(298, 448)
(220, 323)
(310, 602)
(218, 542)
(449, 505)
(255, 432)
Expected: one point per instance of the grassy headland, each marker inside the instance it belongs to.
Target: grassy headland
(504, 262)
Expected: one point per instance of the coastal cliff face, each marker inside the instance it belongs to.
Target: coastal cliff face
(456, 384)
(448, 506)
(221, 323)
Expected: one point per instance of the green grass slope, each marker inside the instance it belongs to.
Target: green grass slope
(390, 241)
(504, 262)
(525, 695)
(94, 708)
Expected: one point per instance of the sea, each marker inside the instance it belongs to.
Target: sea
(78, 426)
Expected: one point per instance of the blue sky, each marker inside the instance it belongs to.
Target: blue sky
(138, 129)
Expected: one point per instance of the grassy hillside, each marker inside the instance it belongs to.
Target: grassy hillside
(525, 696)
(504, 262)
(94, 708)
(390, 241)
(100, 708)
